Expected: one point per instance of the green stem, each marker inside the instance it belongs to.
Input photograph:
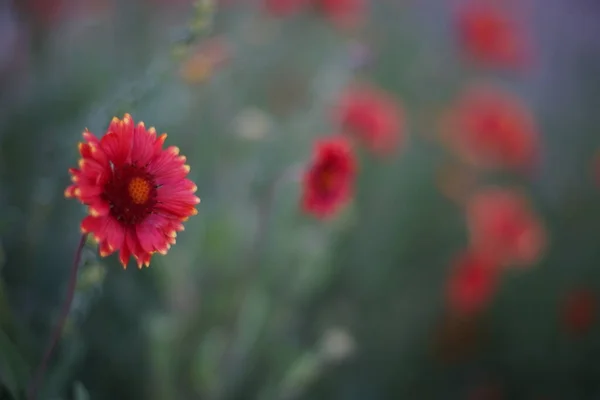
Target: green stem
(64, 313)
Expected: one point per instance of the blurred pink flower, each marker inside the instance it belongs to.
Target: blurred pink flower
(491, 36)
(472, 283)
(329, 180)
(503, 226)
(372, 117)
(342, 13)
(491, 129)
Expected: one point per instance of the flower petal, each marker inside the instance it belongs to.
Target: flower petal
(124, 254)
(137, 251)
(114, 233)
(116, 148)
(153, 234)
(143, 145)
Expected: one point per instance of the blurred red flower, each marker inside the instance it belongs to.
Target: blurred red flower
(136, 192)
(503, 226)
(372, 117)
(579, 311)
(48, 13)
(342, 13)
(490, 128)
(472, 283)
(329, 181)
(44, 12)
(206, 59)
(491, 36)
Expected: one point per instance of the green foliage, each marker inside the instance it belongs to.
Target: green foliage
(258, 300)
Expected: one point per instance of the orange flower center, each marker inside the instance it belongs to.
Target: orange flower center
(131, 194)
(139, 190)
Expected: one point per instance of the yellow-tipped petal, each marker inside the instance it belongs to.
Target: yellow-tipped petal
(104, 253)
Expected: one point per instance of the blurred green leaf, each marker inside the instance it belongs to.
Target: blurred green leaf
(206, 368)
(300, 375)
(80, 392)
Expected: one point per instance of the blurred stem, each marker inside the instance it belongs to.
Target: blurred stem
(64, 313)
(265, 211)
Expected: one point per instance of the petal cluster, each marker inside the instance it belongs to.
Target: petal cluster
(472, 283)
(503, 225)
(329, 180)
(490, 36)
(342, 13)
(491, 129)
(371, 117)
(136, 191)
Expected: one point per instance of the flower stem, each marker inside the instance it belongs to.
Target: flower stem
(64, 313)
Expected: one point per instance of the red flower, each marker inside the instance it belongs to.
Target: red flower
(490, 128)
(372, 117)
(329, 181)
(136, 192)
(579, 312)
(472, 283)
(343, 13)
(48, 13)
(503, 226)
(491, 36)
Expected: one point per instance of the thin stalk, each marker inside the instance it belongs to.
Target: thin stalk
(64, 314)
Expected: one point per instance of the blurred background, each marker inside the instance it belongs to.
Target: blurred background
(463, 264)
